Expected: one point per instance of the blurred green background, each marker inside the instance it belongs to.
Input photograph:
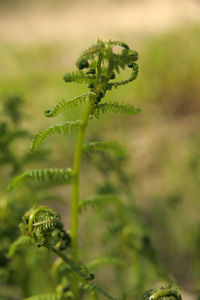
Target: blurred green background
(39, 42)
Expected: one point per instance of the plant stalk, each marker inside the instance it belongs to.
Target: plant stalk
(75, 192)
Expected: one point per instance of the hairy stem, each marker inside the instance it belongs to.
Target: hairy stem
(75, 192)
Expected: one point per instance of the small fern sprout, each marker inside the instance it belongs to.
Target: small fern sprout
(163, 293)
(45, 227)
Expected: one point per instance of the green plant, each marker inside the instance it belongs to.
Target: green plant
(97, 68)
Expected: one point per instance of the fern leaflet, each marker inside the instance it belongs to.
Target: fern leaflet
(67, 127)
(63, 175)
(115, 107)
(97, 200)
(73, 102)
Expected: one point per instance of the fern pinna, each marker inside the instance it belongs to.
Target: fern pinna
(98, 67)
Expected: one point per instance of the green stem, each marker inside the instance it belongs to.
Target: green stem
(75, 192)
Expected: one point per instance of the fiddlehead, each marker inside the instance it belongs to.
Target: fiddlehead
(97, 66)
(163, 293)
(45, 227)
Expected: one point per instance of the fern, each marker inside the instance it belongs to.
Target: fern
(66, 127)
(63, 175)
(97, 200)
(113, 146)
(49, 296)
(45, 227)
(167, 292)
(73, 102)
(97, 68)
(115, 107)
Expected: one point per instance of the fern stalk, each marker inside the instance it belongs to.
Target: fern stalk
(75, 192)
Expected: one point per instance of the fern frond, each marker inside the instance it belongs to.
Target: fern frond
(78, 77)
(102, 261)
(49, 296)
(168, 292)
(73, 102)
(97, 200)
(63, 175)
(105, 146)
(115, 107)
(18, 244)
(65, 127)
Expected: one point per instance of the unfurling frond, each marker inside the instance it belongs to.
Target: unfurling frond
(49, 296)
(45, 227)
(63, 175)
(65, 127)
(113, 146)
(73, 102)
(102, 261)
(132, 77)
(97, 200)
(18, 244)
(163, 293)
(115, 107)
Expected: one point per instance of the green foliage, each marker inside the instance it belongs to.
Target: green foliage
(97, 200)
(15, 281)
(97, 146)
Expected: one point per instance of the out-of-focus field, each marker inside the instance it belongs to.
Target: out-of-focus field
(40, 42)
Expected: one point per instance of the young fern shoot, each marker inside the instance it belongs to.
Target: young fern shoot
(98, 67)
